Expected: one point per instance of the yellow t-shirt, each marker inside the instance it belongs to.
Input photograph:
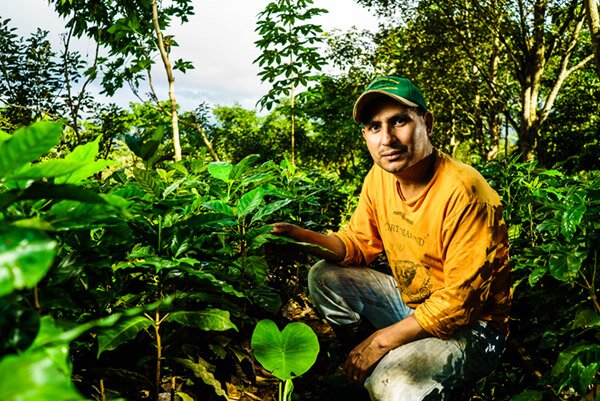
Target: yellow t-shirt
(447, 248)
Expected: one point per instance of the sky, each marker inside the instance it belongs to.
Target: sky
(218, 40)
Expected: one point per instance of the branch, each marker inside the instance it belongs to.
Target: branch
(200, 130)
(564, 70)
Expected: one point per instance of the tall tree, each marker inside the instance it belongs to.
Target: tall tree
(591, 9)
(133, 33)
(540, 40)
(30, 79)
(290, 52)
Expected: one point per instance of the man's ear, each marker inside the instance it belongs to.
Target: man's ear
(363, 131)
(428, 122)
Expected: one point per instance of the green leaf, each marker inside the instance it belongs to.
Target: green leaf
(288, 353)
(19, 325)
(28, 144)
(250, 201)
(25, 257)
(582, 376)
(47, 169)
(558, 267)
(84, 172)
(254, 266)
(568, 357)
(243, 166)
(49, 334)
(266, 297)
(220, 284)
(147, 182)
(70, 215)
(111, 338)
(537, 273)
(220, 170)
(529, 395)
(204, 371)
(44, 190)
(37, 376)
(586, 318)
(269, 209)
(220, 206)
(208, 320)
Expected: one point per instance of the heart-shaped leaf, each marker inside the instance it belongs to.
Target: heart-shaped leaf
(288, 353)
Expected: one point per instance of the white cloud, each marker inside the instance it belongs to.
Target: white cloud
(218, 40)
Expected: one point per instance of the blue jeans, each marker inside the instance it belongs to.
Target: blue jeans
(426, 369)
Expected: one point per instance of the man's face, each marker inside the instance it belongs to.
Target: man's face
(397, 137)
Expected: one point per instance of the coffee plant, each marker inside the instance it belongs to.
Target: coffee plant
(157, 272)
(146, 280)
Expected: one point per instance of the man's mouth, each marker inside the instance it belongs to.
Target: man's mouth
(393, 154)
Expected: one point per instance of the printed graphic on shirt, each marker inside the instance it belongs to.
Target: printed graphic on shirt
(396, 228)
(403, 216)
(414, 280)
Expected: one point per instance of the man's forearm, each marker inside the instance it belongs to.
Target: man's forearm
(334, 251)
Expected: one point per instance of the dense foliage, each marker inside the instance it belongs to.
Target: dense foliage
(125, 274)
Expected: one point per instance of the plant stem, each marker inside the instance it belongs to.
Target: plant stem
(102, 390)
(36, 298)
(157, 322)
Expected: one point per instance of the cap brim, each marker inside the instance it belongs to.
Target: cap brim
(368, 97)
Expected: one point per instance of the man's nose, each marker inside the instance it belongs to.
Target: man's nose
(388, 136)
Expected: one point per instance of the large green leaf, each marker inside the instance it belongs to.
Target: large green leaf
(146, 181)
(243, 166)
(250, 201)
(49, 334)
(269, 209)
(47, 169)
(210, 319)
(70, 215)
(204, 371)
(220, 206)
(288, 353)
(111, 338)
(254, 266)
(84, 172)
(217, 283)
(28, 144)
(44, 190)
(37, 376)
(25, 257)
(586, 318)
(220, 170)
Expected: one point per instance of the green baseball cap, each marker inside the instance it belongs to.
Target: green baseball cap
(400, 89)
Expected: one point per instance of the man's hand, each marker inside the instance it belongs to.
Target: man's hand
(286, 229)
(334, 249)
(363, 358)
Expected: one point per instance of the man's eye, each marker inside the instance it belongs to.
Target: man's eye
(374, 127)
(400, 120)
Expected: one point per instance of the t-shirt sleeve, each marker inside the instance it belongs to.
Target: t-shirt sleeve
(361, 236)
(475, 245)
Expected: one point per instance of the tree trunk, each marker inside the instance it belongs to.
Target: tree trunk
(494, 119)
(165, 59)
(591, 9)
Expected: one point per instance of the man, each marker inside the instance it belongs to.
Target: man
(442, 318)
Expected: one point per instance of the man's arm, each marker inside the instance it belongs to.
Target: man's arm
(337, 250)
